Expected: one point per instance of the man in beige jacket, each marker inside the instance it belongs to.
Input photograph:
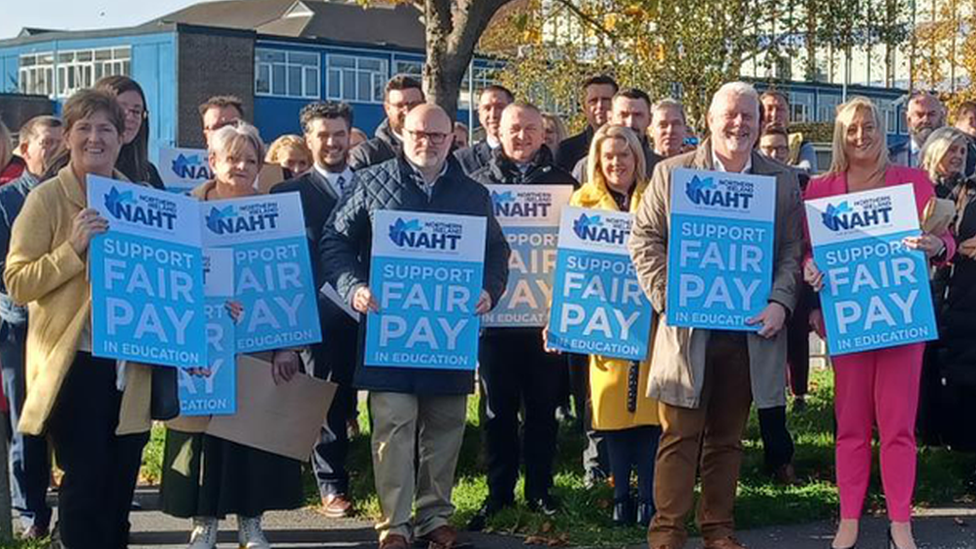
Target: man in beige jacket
(705, 380)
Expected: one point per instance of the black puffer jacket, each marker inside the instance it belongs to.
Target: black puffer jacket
(475, 157)
(345, 248)
(383, 147)
(502, 171)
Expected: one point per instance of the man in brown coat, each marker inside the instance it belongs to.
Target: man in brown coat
(705, 380)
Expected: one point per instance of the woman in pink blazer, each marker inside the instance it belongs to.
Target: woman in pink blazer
(875, 387)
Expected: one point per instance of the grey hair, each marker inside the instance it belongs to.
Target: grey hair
(232, 138)
(733, 89)
(667, 102)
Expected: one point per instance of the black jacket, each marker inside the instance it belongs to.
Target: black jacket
(572, 149)
(345, 245)
(475, 157)
(383, 147)
(335, 357)
(502, 171)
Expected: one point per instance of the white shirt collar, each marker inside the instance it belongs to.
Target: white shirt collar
(333, 177)
(717, 163)
(492, 142)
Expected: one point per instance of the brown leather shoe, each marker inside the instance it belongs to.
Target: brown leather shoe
(394, 541)
(443, 537)
(723, 543)
(335, 506)
(785, 475)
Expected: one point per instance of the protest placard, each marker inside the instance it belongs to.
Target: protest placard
(720, 249)
(529, 217)
(147, 276)
(211, 389)
(426, 273)
(183, 169)
(876, 290)
(272, 271)
(598, 306)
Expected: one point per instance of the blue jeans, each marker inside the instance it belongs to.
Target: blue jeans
(30, 465)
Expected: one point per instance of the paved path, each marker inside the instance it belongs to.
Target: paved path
(944, 528)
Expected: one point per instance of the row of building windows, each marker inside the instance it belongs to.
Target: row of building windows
(62, 74)
(802, 109)
(348, 78)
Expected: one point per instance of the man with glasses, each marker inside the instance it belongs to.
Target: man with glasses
(418, 414)
(220, 111)
(401, 95)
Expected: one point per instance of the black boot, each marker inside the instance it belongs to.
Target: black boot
(645, 511)
(623, 512)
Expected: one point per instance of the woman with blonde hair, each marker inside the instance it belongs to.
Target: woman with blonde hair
(555, 131)
(205, 477)
(622, 411)
(875, 387)
(291, 153)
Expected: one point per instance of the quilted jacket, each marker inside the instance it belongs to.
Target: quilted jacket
(345, 246)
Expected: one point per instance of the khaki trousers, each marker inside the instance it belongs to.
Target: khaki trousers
(406, 429)
(708, 437)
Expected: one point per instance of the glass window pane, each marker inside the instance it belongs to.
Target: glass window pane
(278, 80)
(379, 83)
(349, 85)
(103, 55)
(298, 58)
(365, 90)
(85, 55)
(27, 60)
(263, 79)
(311, 82)
(294, 80)
(369, 64)
(122, 53)
(342, 61)
(66, 57)
(45, 58)
(335, 79)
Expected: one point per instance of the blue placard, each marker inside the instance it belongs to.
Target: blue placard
(272, 271)
(147, 277)
(183, 169)
(720, 249)
(212, 390)
(529, 217)
(876, 290)
(427, 274)
(598, 306)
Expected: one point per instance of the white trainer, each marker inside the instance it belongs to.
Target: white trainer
(249, 533)
(204, 534)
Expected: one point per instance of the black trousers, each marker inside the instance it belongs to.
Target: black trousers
(798, 341)
(335, 360)
(629, 450)
(517, 373)
(100, 468)
(777, 441)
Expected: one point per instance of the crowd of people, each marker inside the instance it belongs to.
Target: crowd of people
(669, 420)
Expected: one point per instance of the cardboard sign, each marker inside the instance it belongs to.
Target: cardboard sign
(147, 276)
(720, 249)
(529, 216)
(272, 270)
(598, 306)
(876, 290)
(427, 274)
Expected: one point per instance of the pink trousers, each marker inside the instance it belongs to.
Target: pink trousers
(877, 388)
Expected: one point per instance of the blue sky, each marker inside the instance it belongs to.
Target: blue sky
(81, 15)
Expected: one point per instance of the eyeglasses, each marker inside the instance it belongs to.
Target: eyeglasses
(434, 138)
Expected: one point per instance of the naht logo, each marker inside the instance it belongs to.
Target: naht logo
(528, 204)
(730, 194)
(151, 212)
(191, 167)
(595, 229)
(250, 218)
(865, 213)
(430, 236)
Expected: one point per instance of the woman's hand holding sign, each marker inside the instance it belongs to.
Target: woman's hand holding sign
(484, 303)
(932, 245)
(284, 366)
(812, 275)
(772, 318)
(84, 226)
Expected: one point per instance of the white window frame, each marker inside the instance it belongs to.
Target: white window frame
(827, 108)
(62, 73)
(338, 73)
(310, 74)
(801, 105)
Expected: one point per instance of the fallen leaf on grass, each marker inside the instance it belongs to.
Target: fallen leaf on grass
(546, 527)
(535, 540)
(960, 522)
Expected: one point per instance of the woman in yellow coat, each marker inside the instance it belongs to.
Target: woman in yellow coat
(621, 410)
